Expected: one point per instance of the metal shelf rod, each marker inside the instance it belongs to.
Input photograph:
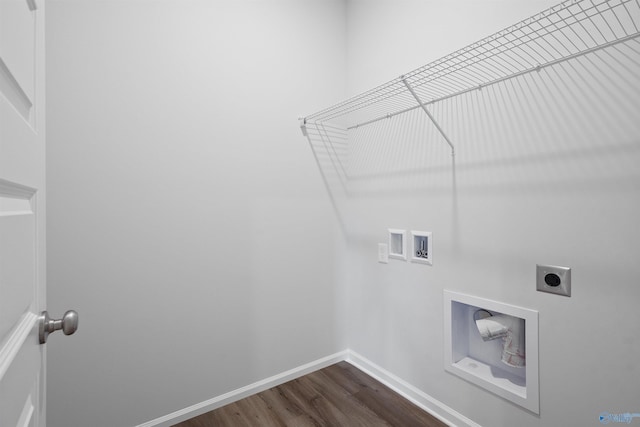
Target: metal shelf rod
(444, 135)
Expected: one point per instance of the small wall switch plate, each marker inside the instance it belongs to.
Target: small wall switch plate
(422, 247)
(383, 253)
(397, 244)
(553, 279)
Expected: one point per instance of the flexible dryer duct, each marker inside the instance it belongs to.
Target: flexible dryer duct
(511, 330)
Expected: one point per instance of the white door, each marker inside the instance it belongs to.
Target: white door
(22, 212)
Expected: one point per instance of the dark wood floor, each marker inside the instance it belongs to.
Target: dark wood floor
(340, 395)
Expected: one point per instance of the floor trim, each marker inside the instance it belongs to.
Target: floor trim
(433, 406)
(418, 397)
(235, 395)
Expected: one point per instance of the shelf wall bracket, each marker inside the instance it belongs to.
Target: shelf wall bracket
(433, 120)
(303, 125)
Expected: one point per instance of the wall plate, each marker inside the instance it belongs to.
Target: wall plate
(397, 244)
(553, 279)
(383, 253)
(422, 247)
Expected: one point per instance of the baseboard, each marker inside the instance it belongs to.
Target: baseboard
(418, 397)
(217, 402)
(433, 406)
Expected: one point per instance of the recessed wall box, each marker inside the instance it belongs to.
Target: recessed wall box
(472, 353)
(397, 244)
(422, 247)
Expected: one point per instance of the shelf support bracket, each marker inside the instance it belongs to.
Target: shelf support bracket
(415, 95)
(303, 125)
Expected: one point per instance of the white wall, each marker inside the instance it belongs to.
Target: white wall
(179, 183)
(188, 223)
(546, 172)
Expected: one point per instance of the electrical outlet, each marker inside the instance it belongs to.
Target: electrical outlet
(553, 279)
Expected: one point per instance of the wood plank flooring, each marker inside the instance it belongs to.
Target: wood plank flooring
(340, 395)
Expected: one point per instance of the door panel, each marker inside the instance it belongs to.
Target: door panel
(17, 261)
(17, 41)
(19, 385)
(22, 213)
(15, 148)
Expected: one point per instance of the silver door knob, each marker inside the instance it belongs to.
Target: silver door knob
(46, 325)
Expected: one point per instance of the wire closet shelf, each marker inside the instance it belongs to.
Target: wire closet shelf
(565, 31)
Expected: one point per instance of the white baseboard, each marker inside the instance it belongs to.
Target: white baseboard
(433, 406)
(423, 400)
(235, 395)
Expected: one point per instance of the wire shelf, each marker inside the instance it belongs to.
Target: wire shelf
(567, 30)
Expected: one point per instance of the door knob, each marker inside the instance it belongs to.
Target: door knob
(46, 325)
